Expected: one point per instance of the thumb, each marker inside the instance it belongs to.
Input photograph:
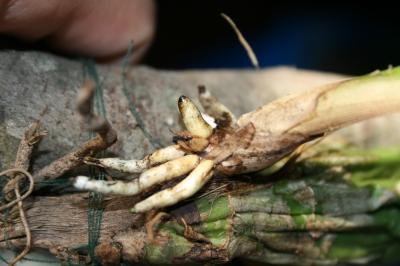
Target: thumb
(99, 28)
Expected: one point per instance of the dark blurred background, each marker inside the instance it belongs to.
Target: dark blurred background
(351, 38)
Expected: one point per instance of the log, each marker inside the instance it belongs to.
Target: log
(315, 214)
(140, 103)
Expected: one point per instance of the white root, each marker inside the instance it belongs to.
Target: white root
(193, 119)
(107, 187)
(184, 189)
(138, 166)
(155, 175)
(169, 170)
(166, 154)
(125, 166)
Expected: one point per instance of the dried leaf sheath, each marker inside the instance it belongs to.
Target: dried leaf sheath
(287, 122)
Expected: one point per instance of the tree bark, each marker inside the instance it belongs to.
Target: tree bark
(314, 213)
(141, 106)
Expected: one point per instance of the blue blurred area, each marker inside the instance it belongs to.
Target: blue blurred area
(340, 37)
(302, 40)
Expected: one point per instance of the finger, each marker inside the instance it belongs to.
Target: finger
(98, 28)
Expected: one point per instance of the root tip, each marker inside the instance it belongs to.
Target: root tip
(182, 98)
(81, 182)
(134, 210)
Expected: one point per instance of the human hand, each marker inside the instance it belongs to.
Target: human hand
(98, 28)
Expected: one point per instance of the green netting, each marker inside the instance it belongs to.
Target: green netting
(95, 210)
(3, 260)
(132, 106)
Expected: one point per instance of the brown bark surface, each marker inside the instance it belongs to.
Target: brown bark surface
(41, 86)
